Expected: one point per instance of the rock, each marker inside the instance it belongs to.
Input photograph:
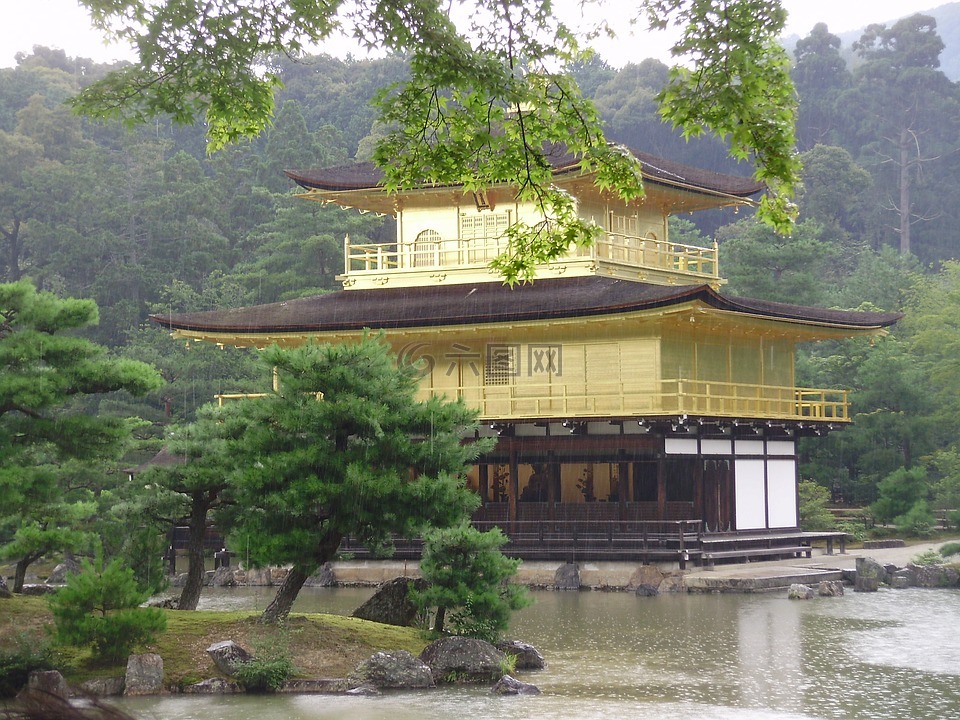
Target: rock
(901, 581)
(48, 681)
(933, 576)
(673, 584)
(103, 687)
(646, 575)
(324, 577)
(648, 590)
(4, 590)
(866, 584)
(167, 603)
(227, 655)
(59, 575)
(878, 544)
(397, 669)
(38, 589)
(830, 588)
(363, 690)
(257, 577)
(800, 592)
(327, 686)
(463, 660)
(222, 577)
(179, 581)
(567, 577)
(508, 685)
(870, 568)
(391, 604)
(213, 686)
(526, 656)
(144, 675)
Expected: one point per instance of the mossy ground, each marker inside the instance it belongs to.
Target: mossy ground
(323, 646)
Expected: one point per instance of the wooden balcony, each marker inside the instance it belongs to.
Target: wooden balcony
(614, 254)
(671, 397)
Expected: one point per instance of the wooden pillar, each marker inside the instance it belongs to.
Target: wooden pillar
(483, 471)
(513, 491)
(553, 486)
(662, 487)
(623, 485)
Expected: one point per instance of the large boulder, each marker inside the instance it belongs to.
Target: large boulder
(397, 669)
(798, 591)
(103, 687)
(463, 660)
(144, 675)
(324, 577)
(871, 569)
(645, 578)
(391, 604)
(830, 588)
(69, 566)
(508, 685)
(567, 577)
(222, 577)
(4, 590)
(228, 656)
(213, 686)
(48, 681)
(526, 656)
(866, 584)
(933, 576)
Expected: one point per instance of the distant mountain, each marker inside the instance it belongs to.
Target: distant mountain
(948, 27)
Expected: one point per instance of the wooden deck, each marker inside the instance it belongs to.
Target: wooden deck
(582, 539)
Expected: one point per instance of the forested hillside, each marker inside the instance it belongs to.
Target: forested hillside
(142, 220)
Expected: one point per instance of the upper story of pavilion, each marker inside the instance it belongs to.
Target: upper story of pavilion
(446, 235)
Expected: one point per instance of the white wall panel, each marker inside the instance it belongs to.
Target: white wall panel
(751, 498)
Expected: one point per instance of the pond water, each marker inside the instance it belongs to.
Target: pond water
(891, 654)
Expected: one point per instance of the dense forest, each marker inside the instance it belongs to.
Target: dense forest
(141, 220)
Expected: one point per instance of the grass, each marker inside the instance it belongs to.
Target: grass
(321, 646)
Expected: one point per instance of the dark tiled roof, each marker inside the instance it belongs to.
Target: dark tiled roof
(367, 176)
(449, 305)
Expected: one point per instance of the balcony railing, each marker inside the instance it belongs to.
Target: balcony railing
(569, 400)
(637, 252)
(668, 397)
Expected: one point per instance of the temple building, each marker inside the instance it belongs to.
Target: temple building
(641, 413)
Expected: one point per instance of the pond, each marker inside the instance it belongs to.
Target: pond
(891, 654)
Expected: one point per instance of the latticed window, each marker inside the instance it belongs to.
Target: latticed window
(501, 365)
(426, 249)
(479, 234)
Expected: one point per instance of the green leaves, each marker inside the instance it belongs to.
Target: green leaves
(739, 89)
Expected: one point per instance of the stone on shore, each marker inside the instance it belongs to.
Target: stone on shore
(391, 604)
(213, 686)
(68, 567)
(870, 568)
(830, 588)
(4, 590)
(508, 685)
(798, 591)
(866, 584)
(396, 669)
(567, 577)
(144, 675)
(463, 660)
(228, 656)
(103, 687)
(526, 656)
(222, 577)
(48, 681)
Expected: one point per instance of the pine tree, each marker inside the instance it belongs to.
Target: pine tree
(344, 449)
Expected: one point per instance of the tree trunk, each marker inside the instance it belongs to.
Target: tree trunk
(190, 595)
(20, 574)
(905, 167)
(438, 620)
(279, 608)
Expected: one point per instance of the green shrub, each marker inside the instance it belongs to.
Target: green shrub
(928, 557)
(262, 675)
(814, 514)
(918, 521)
(950, 548)
(270, 667)
(99, 607)
(21, 656)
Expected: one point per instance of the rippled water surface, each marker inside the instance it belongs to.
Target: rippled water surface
(892, 654)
